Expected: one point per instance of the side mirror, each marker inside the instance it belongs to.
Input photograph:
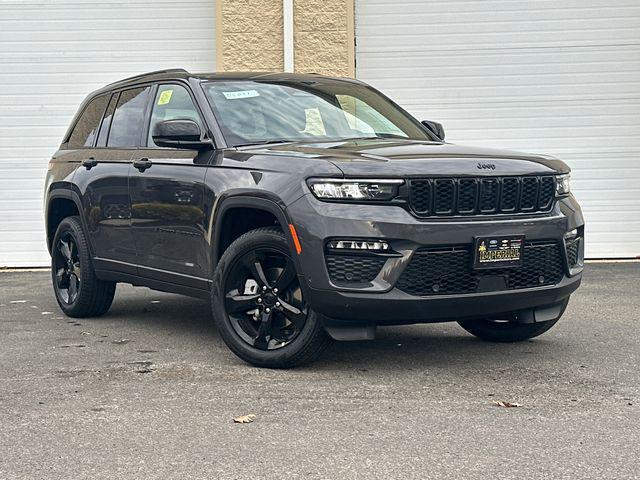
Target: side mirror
(434, 127)
(179, 133)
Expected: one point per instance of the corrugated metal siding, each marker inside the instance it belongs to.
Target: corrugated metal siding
(52, 54)
(561, 78)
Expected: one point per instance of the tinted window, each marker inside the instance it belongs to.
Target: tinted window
(106, 121)
(172, 102)
(84, 133)
(126, 126)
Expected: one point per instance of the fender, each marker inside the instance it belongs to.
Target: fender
(64, 190)
(259, 203)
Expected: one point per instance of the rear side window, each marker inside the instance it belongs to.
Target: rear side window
(128, 119)
(85, 131)
(106, 121)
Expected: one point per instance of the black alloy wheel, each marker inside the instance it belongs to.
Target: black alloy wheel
(67, 270)
(259, 306)
(78, 291)
(263, 299)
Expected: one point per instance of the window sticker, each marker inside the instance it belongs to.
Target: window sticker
(313, 122)
(165, 97)
(240, 94)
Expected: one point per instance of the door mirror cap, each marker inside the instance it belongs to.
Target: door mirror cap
(435, 128)
(180, 133)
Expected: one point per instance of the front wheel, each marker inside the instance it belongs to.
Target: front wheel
(259, 307)
(504, 331)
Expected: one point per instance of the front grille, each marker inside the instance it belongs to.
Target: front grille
(481, 195)
(353, 268)
(448, 270)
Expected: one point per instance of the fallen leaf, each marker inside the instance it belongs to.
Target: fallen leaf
(245, 418)
(501, 403)
(85, 333)
(122, 341)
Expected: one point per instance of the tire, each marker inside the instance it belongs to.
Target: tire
(271, 330)
(504, 332)
(77, 290)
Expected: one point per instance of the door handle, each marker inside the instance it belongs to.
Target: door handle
(89, 163)
(142, 164)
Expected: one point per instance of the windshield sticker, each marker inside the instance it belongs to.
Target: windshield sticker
(241, 94)
(313, 122)
(165, 97)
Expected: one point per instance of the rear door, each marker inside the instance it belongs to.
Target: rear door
(166, 187)
(103, 181)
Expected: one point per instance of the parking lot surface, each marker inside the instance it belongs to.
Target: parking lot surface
(150, 391)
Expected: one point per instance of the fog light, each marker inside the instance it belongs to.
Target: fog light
(368, 245)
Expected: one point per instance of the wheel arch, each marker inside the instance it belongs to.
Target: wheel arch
(62, 202)
(251, 213)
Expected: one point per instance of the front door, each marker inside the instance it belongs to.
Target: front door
(166, 188)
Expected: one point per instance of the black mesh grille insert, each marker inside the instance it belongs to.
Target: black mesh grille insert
(481, 196)
(467, 194)
(573, 248)
(444, 196)
(421, 196)
(489, 189)
(353, 268)
(510, 193)
(448, 270)
(529, 198)
(547, 192)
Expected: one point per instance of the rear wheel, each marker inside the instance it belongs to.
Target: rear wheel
(78, 292)
(258, 304)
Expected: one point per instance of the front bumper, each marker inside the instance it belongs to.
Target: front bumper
(379, 301)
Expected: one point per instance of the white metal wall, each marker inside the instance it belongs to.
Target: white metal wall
(549, 76)
(53, 53)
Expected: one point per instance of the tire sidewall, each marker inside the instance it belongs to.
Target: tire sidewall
(72, 225)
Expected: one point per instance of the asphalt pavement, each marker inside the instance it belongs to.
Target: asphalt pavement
(150, 391)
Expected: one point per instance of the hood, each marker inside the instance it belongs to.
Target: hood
(406, 158)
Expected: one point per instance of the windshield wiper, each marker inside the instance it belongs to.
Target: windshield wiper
(262, 142)
(379, 136)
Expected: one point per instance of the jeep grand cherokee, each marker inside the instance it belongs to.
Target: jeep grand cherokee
(306, 208)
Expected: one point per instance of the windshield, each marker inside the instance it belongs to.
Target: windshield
(255, 112)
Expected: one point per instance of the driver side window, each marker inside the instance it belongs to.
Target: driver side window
(172, 102)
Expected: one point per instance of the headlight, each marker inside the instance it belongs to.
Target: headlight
(336, 189)
(563, 186)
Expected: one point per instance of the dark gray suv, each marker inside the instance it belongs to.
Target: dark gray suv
(306, 208)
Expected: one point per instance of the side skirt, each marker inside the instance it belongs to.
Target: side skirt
(151, 283)
(162, 280)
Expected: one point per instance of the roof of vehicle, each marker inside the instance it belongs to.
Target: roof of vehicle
(180, 73)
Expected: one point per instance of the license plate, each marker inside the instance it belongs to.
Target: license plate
(497, 252)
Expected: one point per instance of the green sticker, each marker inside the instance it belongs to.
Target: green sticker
(165, 97)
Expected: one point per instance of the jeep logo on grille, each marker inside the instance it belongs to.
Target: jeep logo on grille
(486, 166)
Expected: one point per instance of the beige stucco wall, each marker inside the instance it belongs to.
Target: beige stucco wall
(324, 37)
(250, 36)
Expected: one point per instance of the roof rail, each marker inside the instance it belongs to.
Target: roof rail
(148, 74)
